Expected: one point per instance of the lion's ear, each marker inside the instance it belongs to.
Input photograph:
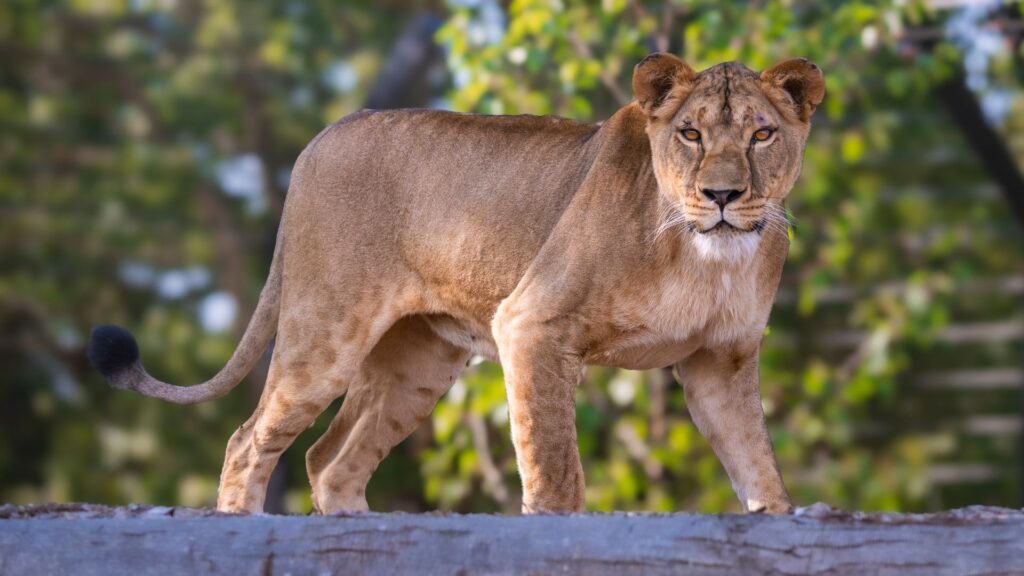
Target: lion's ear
(799, 79)
(655, 76)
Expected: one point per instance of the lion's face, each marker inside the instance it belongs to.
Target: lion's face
(727, 145)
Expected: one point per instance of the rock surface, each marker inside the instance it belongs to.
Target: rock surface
(92, 539)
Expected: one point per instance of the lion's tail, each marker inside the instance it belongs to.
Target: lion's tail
(114, 352)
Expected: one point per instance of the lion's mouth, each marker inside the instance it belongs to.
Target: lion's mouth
(725, 228)
(722, 227)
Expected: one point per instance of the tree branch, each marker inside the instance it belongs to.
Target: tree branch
(609, 82)
(986, 142)
(493, 483)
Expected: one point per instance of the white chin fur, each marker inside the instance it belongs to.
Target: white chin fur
(732, 248)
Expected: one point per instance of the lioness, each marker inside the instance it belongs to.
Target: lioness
(413, 239)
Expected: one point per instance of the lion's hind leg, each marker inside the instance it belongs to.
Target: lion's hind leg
(399, 384)
(313, 364)
(288, 406)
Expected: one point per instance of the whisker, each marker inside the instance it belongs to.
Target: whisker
(671, 219)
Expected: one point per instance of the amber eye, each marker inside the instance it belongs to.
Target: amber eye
(762, 135)
(690, 134)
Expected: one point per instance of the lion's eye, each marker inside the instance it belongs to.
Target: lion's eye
(690, 134)
(762, 135)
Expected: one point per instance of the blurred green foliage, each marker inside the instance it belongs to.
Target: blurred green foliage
(120, 120)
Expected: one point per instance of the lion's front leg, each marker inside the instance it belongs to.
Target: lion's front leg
(541, 376)
(722, 394)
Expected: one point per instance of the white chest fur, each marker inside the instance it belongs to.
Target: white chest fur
(702, 303)
(716, 301)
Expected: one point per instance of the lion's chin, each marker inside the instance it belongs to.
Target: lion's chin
(724, 242)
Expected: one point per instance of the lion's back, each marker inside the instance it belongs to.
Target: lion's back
(433, 189)
(435, 165)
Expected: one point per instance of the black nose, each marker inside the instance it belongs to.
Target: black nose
(722, 197)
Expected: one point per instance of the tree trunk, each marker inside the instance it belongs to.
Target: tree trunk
(83, 539)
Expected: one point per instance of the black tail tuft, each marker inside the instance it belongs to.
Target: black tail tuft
(112, 349)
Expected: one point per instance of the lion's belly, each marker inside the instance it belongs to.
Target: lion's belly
(644, 356)
(467, 335)
(632, 353)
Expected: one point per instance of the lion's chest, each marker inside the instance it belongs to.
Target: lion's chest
(680, 313)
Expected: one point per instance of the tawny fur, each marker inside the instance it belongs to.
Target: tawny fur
(411, 240)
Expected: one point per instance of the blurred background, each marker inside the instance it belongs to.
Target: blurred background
(146, 147)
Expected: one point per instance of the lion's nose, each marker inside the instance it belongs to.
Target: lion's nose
(722, 197)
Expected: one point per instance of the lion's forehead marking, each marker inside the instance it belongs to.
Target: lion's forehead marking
(725, 94)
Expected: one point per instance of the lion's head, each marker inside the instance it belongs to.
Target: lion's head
(727, 144)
